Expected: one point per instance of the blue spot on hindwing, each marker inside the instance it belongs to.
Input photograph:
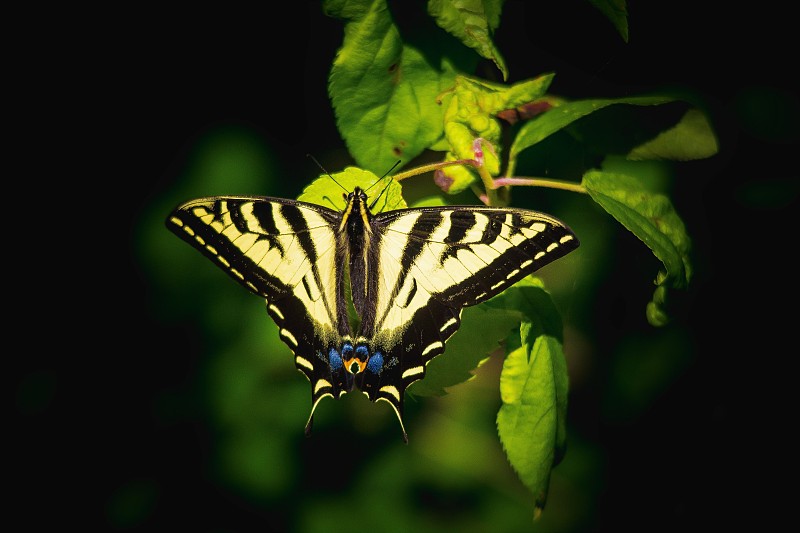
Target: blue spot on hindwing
(375, 363)
(362, 352)
(334, 359)
(347, 349)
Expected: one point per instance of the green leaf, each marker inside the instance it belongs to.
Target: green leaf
(691, 138)
(325, 191)
(617, 13)
(531, 421)
(653, 219)
(471, 21)
(564, 114)
(383, 91)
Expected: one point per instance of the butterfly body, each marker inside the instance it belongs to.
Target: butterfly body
(409, 272)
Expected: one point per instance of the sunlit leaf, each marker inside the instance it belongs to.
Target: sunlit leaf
(653, 219)
(383, 91)
(329, 191)
(531, 422)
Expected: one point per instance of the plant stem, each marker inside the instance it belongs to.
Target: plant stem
(490, 184)
(431, 166)
(541, 182)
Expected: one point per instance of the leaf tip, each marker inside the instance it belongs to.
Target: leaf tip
(538, 507)
(656, 315)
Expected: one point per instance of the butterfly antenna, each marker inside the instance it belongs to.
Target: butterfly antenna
(375, 201)
(323, 169)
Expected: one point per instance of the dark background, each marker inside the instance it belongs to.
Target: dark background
(127, 98)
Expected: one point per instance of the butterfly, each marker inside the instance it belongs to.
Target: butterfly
(407, 274)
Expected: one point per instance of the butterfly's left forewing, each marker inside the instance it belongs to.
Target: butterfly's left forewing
(286, 252)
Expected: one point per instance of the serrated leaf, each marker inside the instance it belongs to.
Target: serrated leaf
(471, 21)
(653, 219)
(482, 329)
(691, 138)
(531, 422)
(325, 191)
(383, 91)
(526, 430)
(617, 12)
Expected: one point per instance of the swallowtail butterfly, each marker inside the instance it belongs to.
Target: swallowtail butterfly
(411, 272)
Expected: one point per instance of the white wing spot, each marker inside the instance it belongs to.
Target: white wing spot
(212, 249)
(447, 324)
(526, 263)
(552, 247)
(566, 238)
(321, 384)
(432, 346)
(391, 389)
(539, 226)
(223, 261)
(237, 274)
(413, 371)
(498, 284)
(512, 273)
(176, 221)
(301, 361)
(276, 311)
(287, 335)
(539, 255)
(200, 240)
(188, 230)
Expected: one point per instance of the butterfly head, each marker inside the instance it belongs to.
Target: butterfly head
(356, 216)
(356, 196)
